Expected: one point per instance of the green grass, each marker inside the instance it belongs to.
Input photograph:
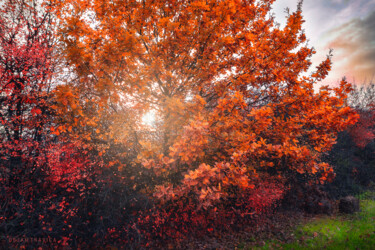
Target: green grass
(355, 231)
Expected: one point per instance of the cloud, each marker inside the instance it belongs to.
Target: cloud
(354, 48)
(347, 26)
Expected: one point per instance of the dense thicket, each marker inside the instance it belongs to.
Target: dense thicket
(354, 153)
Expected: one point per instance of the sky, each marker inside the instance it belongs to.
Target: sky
(347, 27)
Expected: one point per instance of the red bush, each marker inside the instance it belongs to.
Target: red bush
(183, 216)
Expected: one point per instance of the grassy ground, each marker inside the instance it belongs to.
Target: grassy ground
(355, 231)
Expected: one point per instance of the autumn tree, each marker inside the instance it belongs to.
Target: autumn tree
(35, 166)
(26, 38)
(25, 67)
(235, 106)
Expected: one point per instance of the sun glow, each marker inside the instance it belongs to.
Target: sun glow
(149, 118)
